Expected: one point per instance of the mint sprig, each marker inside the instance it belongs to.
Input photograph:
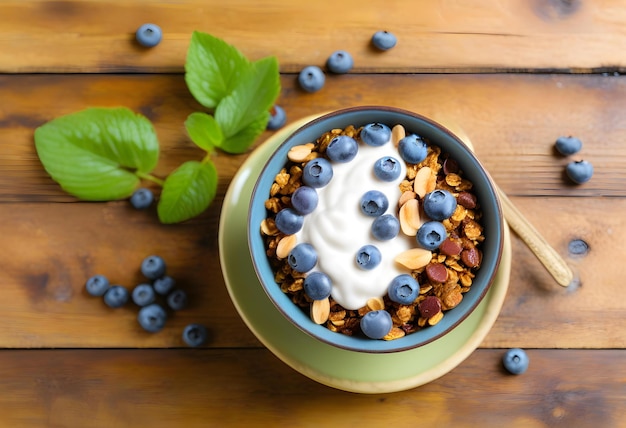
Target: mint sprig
(103, 154)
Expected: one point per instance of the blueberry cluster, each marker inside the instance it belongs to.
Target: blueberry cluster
(578, 171)
(152, 314)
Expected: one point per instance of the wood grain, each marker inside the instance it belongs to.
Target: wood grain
(443, 35)
(50, 248)
(164, 388)
(513, 121)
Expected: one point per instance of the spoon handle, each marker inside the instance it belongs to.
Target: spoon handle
(552, 261)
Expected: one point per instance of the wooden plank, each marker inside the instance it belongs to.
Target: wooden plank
(163, 388)
(49, 250)
(513, 121)
(481, 35)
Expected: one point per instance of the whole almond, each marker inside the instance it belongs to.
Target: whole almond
(414, 258)
(320, 311)
(405, 197)
(397, 133)
(471, 257)
(425, 181)
(409, 216)
(467, 200)
(299, 153)
(285, 245)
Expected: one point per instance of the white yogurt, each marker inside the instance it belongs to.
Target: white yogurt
(337, 228)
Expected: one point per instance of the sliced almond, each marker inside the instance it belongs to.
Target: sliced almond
(425, 181)
(414, 258)
(320, 310)
(406, 196)
(299, 153)
(285, 245)
(409, 216)
(375, 303)
(397, 133)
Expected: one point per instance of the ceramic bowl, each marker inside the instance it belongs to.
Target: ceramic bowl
(473, 170)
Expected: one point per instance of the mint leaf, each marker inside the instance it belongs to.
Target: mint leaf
(243, 139)
(187, 191)
(253, 96)
(213, 68)
(94, 154)
(204, 131)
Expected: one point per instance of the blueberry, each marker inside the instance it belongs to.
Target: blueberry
(439, 204)
(403, 289)
(368, 257)
(385, 227)
(163, 285)
(195, 335)
(376, 324)
(97, 285)
(141, 198)
(317, 173)
(143, 294)
(342, 149)
(278, 118)
(375, 134)
(116, 296)
(412, 149)
(288, 221)
(374, 203)
(149, 35)
(317, 285)
(579, 171)
(431, 234)
(339, 62)
(153, 267)
(302, 257)
(568, 145)
(177, 300)
(152, 317)
(304, 200)
(311, 78)
(387, 168)
(515, 361)
(384, 40)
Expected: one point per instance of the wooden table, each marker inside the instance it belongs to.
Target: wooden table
(514, 75)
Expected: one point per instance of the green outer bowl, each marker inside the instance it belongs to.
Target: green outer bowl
(484, 189)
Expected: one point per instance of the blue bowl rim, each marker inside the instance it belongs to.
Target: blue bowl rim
(299, 318)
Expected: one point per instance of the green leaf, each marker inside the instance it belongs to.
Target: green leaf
(94, 154)
(250, 98)
(213, 68)
(243, 139)
(187, 191)
(204, 131)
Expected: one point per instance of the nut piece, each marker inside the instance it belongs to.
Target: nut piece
(425, 181)
(375, 303)
(406, 196)
(409, 216)
(394, 333)
(320, 311)
(268, 227)
(285, 245)
(414, 258)
(435, 318)
(300, 153)
(397, 133)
